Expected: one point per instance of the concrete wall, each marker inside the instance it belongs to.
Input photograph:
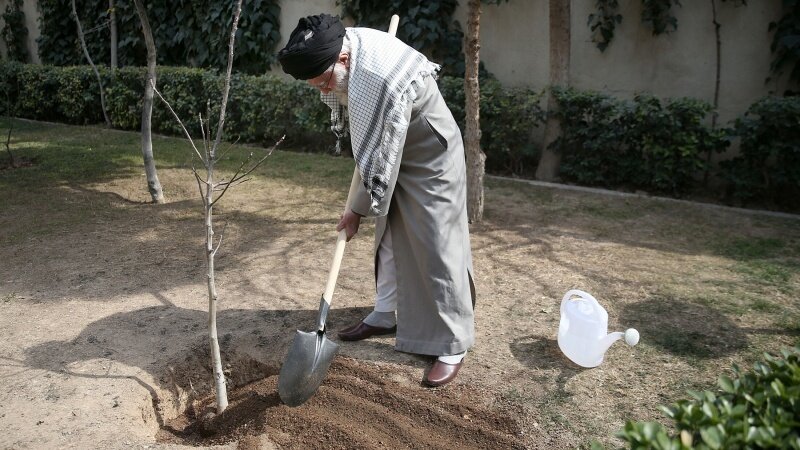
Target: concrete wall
(29, 7)
(515, 43)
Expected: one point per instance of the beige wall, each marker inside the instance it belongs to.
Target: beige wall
(515, 43)
(31, 22)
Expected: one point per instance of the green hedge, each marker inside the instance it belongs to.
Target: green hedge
(650, 144)
(756, 409)
(508, 117)
(261, 109)
(655, 145)
(767, 169)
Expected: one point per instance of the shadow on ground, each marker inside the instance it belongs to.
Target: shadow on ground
(685, 329)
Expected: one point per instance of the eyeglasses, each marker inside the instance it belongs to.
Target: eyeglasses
(327, 83)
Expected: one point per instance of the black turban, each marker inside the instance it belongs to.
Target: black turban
(313, 46)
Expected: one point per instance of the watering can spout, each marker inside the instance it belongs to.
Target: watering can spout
(610, 338)
(631, 338)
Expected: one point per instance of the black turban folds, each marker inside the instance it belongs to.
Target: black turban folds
(313, 46)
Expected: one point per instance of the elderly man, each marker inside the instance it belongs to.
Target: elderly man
(410, 155)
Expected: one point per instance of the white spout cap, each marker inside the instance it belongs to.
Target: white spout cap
(631, 337)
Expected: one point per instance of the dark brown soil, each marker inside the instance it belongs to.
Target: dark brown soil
(361, 405)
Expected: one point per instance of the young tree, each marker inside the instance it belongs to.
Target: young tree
(153, 185)
(211, 192)
(560, 38)
(476, 158)
(91, 63)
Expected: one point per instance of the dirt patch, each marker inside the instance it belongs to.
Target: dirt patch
(360, 405)
(103, 308)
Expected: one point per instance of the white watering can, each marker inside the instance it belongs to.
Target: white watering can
(582, 333)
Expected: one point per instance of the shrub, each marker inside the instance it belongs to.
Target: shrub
(768, 166)
(756, 409)
(261, 109)
(508, 116)
(646, 143)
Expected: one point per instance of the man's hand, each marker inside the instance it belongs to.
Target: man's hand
(349, 222)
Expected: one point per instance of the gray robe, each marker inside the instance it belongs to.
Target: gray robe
(426, 212)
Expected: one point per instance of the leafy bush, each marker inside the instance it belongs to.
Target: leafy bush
(756, 409)
(641, 144)
(261, 109)
(768, 166)
(507, 118)
(186, 32)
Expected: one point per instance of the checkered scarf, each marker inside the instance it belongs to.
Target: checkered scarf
(382, 70)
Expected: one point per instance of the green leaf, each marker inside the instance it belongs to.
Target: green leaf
(726, 384)
(712, 437)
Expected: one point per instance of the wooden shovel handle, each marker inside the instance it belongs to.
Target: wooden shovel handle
(341, 240)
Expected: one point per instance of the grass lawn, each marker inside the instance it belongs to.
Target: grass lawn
(706, 288)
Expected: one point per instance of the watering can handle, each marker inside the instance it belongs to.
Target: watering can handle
(577, 293)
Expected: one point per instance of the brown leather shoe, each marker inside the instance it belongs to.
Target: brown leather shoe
(441, 373)
(361, 331)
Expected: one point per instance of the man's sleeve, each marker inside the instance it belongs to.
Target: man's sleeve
(362, 202)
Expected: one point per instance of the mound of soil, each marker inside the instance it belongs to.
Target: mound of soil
(360, 405)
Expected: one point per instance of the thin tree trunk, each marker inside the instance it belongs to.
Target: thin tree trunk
(476, 158)
(216, 360)
(153, 185)
(91, 63)
(11, 160)
(715, 113)
(219, 376)
(550, 161)
(112, 26)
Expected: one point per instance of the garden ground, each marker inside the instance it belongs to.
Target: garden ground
(102, 300)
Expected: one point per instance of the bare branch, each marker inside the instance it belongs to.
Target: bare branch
(229, 148)
(221, 235)
(8, 145)
(200, 183)
(258, 163)
(203, 131)
(233, 178)
(180, 122)
(237, 176)
(227, 88)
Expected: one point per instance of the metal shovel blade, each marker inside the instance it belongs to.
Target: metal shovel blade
(305, 367)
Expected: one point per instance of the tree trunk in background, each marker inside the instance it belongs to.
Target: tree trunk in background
(112, 26)
(550, 160)
(715, 113)
(476, 159)
(153, 185)
(91, 63)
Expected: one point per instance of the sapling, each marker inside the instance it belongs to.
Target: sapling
(11, 162)
(91, 63)
(211, 192)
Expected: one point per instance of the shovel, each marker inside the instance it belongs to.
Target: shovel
(312, 352)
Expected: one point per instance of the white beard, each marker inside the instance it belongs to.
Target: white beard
(342, 76)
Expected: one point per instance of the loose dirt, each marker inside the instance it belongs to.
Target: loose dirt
(103, 300)
(360, 405)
